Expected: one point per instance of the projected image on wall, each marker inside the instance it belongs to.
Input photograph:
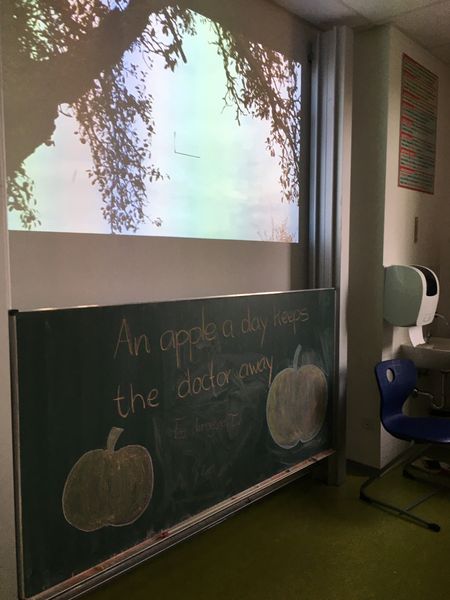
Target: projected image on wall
(125, 120)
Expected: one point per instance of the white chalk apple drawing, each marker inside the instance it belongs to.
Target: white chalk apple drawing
(108, 487)
(297, 404)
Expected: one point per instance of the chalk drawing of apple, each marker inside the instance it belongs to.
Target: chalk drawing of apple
(297, 404)
(108, 487)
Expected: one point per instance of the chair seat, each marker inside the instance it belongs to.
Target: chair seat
(434, 430)
(397, 379)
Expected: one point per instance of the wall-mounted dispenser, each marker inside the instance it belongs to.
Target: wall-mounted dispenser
(411, 295)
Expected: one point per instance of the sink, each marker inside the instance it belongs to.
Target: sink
(435, 354)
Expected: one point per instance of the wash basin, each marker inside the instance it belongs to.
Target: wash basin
(435, 354)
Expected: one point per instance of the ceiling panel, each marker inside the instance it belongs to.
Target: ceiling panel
(383, 10)
(428, 26)
(425, 21)
(324, 13)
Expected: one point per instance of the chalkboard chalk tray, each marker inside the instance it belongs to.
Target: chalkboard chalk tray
(133, 421)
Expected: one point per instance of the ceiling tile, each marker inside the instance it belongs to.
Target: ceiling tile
(428, 26)
(323, 13)
(382, 10)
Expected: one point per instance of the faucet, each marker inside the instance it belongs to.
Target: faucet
(436, 316)
(442, 317)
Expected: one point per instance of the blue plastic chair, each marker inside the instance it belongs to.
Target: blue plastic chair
(397, 380)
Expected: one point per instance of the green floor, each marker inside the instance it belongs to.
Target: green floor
(307, 540)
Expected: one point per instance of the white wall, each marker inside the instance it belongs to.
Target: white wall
(382, 223)
(60, 270)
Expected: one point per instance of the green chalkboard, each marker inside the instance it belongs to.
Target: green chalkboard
(132, 419)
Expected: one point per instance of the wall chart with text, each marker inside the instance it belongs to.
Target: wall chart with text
(418, 123)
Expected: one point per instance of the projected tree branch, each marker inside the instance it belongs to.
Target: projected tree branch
(79, 58)
(265, 85)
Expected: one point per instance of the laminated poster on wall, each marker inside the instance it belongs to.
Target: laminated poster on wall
(418, 123)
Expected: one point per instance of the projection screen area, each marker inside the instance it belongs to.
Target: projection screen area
(150, 123)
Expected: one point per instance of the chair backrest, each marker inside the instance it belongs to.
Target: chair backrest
(396, 380)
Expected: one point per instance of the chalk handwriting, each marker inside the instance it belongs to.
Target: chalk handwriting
(255, 367)
(135, 344)
(129, 403)
(184, 427)
(180, 428)
(290, 317)
(254, 323)
(176, 339)
(184, 344)
(211, 426)
(211, 381)
(228, 328)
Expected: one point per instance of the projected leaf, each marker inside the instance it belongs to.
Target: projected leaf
(262, 83)
(79, 58)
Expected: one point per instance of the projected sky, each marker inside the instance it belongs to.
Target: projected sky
(193, 133)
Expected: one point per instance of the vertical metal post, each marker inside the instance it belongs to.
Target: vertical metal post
(343, 141)
(314, 166)
(330, 199)
(8, 565)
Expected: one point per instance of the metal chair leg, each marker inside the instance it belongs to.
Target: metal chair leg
(413, 453)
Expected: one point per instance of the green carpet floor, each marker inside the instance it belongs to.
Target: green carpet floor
(307, 540)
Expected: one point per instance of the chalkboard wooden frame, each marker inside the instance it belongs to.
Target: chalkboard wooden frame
(299, 329)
